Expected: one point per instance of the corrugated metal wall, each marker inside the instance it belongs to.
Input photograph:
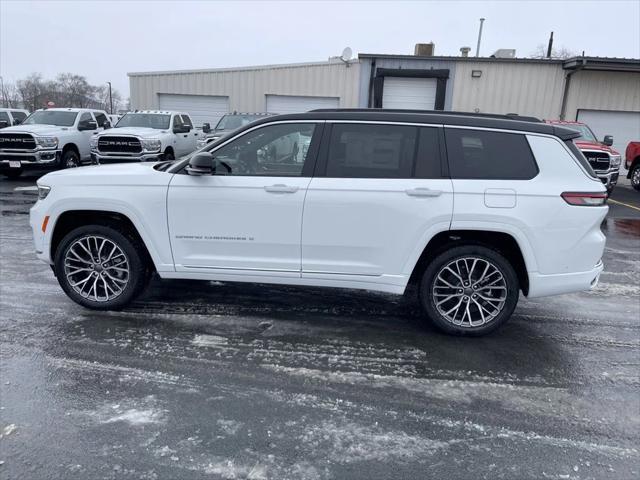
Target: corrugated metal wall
(247, 88)
(603, 91)
(524, 88)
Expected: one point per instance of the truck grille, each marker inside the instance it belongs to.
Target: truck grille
(17, 141)
(599, 160)
(119, 145)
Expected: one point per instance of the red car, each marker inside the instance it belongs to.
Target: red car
(632, 162)
(604, 160)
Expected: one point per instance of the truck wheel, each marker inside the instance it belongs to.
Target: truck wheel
(69, 159)
(168, 155)
(635, 176)
(14, 173)
(101, 267)
(469, 290)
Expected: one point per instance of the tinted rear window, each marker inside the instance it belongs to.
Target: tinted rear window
(480, 154)
(371, 151)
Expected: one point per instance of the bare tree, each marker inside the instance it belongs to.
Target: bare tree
(10, 96)
(559, 53)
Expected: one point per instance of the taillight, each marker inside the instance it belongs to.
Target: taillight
(585, 199)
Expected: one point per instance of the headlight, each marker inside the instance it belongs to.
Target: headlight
(47, 142)
(93, 143)
(616, 160)
(151, 145)
(43, 191)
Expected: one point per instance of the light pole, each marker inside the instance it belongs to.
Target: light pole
(110, 99)
(479, 38)
(5, 102)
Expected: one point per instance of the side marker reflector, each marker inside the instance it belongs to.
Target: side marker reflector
(44, 223)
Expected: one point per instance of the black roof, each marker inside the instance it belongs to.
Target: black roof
(504, 122)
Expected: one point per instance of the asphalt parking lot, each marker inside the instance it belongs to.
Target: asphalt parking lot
(203, 380)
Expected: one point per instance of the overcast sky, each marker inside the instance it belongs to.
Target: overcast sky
(104, 40)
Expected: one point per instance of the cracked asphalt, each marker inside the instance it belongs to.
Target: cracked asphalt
(204, 380)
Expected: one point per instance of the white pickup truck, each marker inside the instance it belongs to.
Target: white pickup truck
(50, 138)
(146, 136)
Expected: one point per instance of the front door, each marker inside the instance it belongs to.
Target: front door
(248, 219)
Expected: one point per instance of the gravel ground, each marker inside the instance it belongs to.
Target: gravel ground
(211, 380)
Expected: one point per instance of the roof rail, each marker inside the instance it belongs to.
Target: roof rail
(508, 116)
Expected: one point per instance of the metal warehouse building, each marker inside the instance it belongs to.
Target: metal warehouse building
(602, 92)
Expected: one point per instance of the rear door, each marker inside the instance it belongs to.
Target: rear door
(380, 192)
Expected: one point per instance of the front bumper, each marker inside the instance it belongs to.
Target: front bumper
(609, 178)
(97, 157)
(29, 158)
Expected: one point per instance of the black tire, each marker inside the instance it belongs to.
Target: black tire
(635, 176)
(70, 159)
(168, 155)
(14, 173)
(485, 255)
(138, 276)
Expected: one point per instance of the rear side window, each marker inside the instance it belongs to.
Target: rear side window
(371, 151)
(18, 115)
(479, 154)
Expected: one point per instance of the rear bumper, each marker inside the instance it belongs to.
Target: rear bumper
(30, 159)
(546, 285)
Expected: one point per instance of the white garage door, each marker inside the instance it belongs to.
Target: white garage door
(624, 126)
(202, 108)
(409, 93)
(292, 104)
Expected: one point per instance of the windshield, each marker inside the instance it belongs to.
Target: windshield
(231, 122)
(51, 117)
(585, 132)
(148, 120)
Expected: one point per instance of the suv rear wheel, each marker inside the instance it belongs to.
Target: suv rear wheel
(469, 290)
(100, 267)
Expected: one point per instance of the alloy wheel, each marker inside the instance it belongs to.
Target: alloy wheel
(96, 268)
(469, 291)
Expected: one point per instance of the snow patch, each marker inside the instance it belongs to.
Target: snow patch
(209, 340)
(136, 417)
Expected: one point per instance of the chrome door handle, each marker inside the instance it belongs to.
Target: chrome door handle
(423, 192)
(280, 188)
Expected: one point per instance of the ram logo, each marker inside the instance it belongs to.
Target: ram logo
(15, 140)
(118, 143)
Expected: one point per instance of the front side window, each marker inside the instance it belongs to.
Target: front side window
(274, 150)
(17, 115)
(371, 151)
(480, 154)
(584, 130)
(177, 121)
(52, 117)
(187, 121)
(100, 118)
(4, 117)
(145, 120)
(85, 118)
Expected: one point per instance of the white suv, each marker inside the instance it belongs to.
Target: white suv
(473, 209)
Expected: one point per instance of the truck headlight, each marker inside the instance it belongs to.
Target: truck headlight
(616, 160)
(43, 191)
(47, 142)
(151, 145)
(93, 143)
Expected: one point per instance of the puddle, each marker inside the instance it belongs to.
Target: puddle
(628, 227)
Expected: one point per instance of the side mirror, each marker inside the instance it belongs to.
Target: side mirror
(206, 127)
(608, 140)
(201, 164)
(4, 124)
(106, 125)
(89, 125)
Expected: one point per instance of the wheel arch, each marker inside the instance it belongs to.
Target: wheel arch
(503, 242)
(71, 146)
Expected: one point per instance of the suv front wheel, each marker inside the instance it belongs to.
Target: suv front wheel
(100, 267)
(469, 290)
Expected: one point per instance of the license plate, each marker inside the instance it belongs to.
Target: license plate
(15, 164)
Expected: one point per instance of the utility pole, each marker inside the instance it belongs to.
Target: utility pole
(5, 102)
(550, 47)
(110, 99)
(479, 38)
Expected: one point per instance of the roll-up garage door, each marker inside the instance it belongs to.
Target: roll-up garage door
(201, 108)
(409, 93)
(624, 126)
(296, 104)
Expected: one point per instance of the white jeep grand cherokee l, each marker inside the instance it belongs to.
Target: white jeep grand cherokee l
(473, 209)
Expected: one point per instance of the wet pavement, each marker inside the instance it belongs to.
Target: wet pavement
(210, 380)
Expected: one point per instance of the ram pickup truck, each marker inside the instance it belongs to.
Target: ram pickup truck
(632, 162)
(50, 138)
(228, 124)
(12, 116)
(146, 136)
(604, 160)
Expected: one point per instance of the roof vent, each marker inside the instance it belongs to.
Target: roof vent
(504, 53)
(464, 51)
(424, 49)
